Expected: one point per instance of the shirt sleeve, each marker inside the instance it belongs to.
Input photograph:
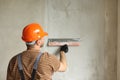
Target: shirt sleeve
(54, 62)
(9, 74)
(10, 70)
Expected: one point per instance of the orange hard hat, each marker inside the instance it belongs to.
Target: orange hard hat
(33, 32)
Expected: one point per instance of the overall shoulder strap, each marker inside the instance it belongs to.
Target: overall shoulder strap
(34, 66)
(20, 67)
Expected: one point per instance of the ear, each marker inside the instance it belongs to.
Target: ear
(38, 42)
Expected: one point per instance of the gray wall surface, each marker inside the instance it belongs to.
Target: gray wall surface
(95, 24)
(118, 46)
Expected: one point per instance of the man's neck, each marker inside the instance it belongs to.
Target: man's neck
(34, 48)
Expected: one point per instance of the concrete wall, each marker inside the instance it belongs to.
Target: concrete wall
(79, 18)
(94, 23)
(110, 53)
(118, 46)
(110, 39)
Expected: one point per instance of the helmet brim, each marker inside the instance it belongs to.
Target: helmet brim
(45, 34)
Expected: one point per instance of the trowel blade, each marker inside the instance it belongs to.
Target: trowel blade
(62, 41)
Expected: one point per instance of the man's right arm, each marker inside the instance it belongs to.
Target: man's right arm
(63, 61)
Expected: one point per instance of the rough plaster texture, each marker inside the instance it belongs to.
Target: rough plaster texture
(94, 23)
(118, 46)
(110, 40)
(78, 18)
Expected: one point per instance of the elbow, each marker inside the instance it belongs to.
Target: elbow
(65, 68)
(62, 68)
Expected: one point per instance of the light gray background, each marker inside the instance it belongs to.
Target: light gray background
(93, 21)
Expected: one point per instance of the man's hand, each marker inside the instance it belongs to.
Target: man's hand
(64, 48)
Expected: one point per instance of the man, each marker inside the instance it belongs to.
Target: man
(32, 64)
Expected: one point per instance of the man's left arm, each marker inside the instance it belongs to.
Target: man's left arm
(11, 69)
(9, 74)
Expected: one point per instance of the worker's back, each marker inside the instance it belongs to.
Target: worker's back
(46, 66)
